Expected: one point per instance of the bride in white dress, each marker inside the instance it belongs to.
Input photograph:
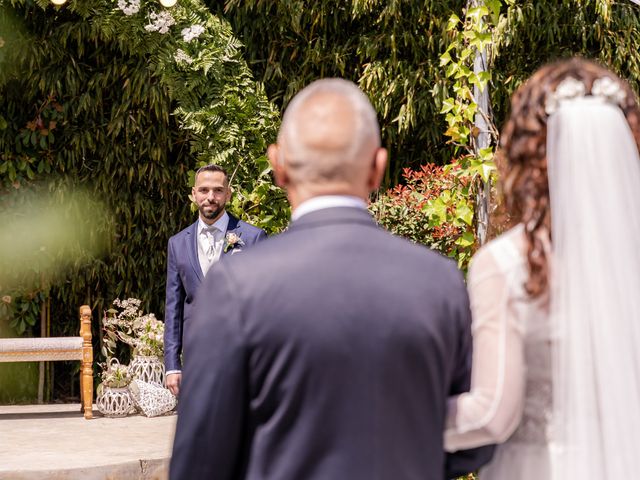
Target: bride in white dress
(556, 300)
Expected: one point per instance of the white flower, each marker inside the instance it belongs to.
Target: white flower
(570, 88)
(194, 31)
(604, 88)
(182, 57)
(159, 22)
(143, 332)
(608, 89)
(129, 7)
(566, 89)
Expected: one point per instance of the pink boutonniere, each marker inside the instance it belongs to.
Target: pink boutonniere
(232, 241)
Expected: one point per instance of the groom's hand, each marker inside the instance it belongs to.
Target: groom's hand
(173, 382)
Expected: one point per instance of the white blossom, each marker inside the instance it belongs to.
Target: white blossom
(160, 22)
(567, 89)
(194, 31)
(609, 89)
(182, 57)
(145, 333)
(129, 7)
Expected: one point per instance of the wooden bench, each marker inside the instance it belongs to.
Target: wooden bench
(58, 348)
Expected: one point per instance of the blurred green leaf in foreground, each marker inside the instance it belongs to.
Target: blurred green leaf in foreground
(46, 232)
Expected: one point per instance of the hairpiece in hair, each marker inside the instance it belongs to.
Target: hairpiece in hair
(609, 89)
(605, 88)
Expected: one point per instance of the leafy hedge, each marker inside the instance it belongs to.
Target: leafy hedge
(90, 97)
(392, 50)
(432, 207)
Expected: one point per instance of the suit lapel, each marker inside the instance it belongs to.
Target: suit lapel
(232, 227)
(192, 249)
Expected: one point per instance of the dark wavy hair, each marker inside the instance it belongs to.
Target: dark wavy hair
(523, 155)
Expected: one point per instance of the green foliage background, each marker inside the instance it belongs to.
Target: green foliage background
(532, 33)
(391, 48)
(89, 98)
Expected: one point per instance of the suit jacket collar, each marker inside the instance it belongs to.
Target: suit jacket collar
(322, 202)
(233, 227)
(233, 224)
(334, 215)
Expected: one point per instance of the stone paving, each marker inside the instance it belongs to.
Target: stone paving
(56, 442)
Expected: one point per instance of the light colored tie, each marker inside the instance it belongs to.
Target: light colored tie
(213, 233)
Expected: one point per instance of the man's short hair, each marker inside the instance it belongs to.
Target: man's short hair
(212, 167)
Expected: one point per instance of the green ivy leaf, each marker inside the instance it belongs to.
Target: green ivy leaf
(494, 9)
(447, 105)
(445, 58)
(453, 22)
(483, 168)
(466, 239)
(464, 212)
(476, 13)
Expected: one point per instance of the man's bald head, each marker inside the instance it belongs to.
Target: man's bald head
(329, 134)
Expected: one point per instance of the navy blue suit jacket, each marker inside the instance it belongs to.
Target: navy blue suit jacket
(325, 353)
(184, 277)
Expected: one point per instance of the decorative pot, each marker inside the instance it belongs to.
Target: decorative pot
(149, 369)
(114, 402)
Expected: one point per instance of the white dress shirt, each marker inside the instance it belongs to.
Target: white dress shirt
(327, 201)
(211, 242)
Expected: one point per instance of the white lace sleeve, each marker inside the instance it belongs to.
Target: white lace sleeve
(491, 410)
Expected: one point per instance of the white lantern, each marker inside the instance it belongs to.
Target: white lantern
(166, 3)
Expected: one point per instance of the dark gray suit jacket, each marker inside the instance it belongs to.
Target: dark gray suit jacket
(327, 352)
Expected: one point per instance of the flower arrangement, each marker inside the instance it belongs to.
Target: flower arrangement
(129, 7)
(115, 375)
(159, 22)
(126, 323)
(113, 397)
(149, 339)
(129, 325)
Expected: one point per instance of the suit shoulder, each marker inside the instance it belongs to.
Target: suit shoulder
(247, 227)
(424, 257)
(181, 233)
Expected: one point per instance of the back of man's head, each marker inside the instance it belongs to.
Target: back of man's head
(329, 137)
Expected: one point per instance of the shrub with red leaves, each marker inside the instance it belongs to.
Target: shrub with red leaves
(432, 207)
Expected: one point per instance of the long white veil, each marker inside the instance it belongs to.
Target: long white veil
(594, 183)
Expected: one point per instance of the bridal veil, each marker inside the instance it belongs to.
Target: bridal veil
(594, 184)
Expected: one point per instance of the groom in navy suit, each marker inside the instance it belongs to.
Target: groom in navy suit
(192, 252)
(329, 351)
